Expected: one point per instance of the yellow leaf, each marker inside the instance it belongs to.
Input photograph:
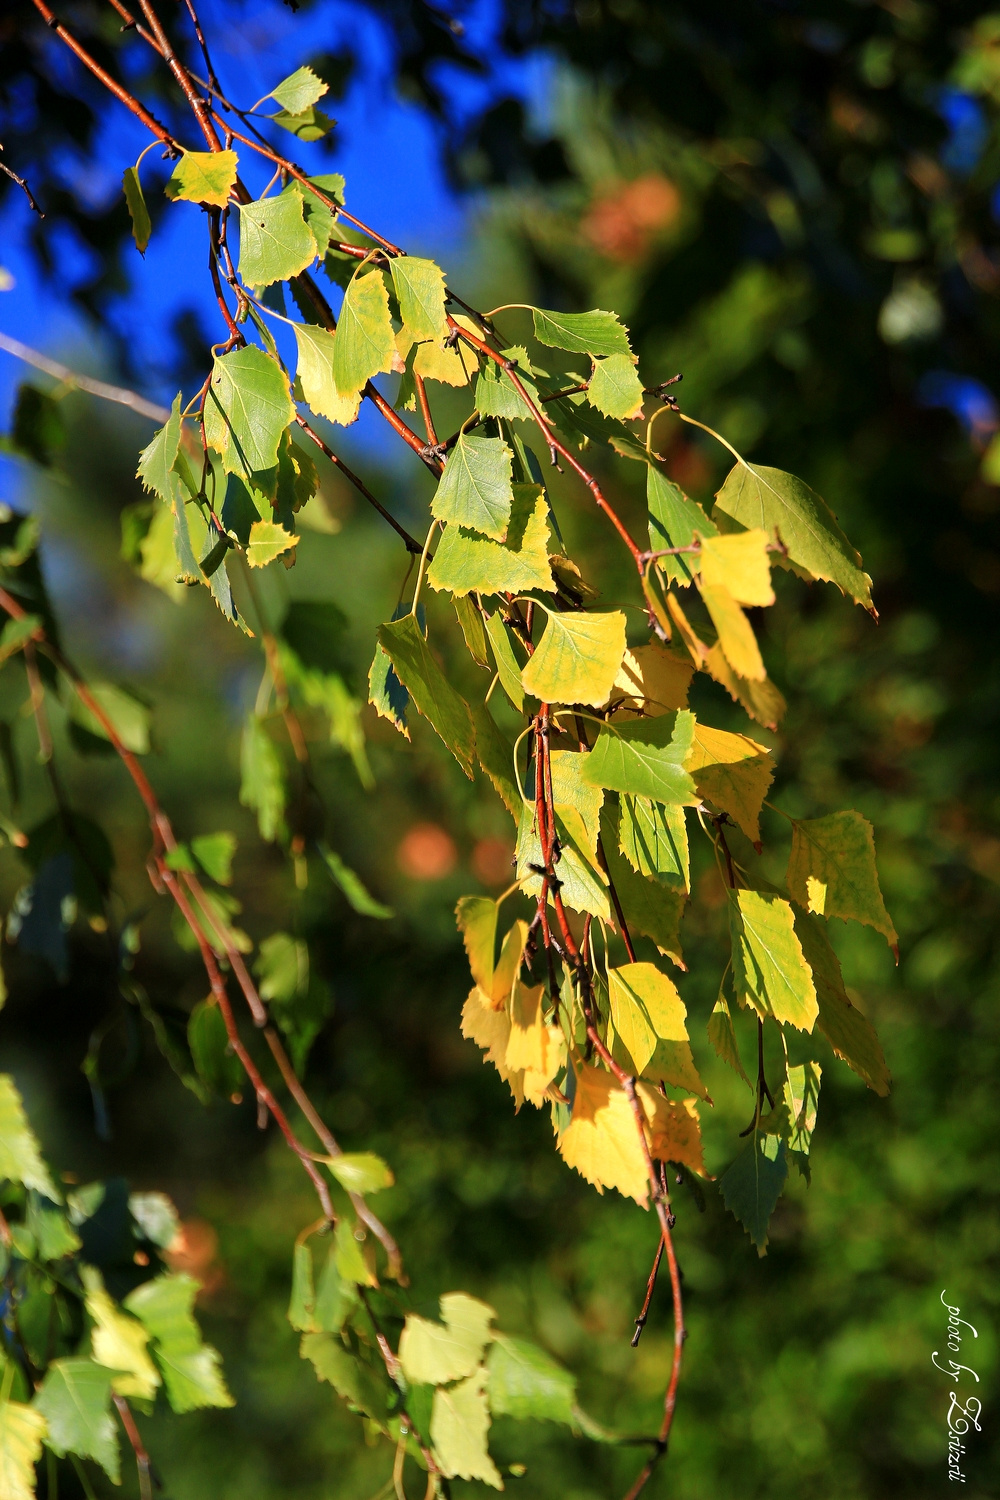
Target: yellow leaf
(432, 1353)
(577, 658)
(315, 372)
(740, 563)
(732, 772)
(651, 1019)
(268, 540)
(508, 965)
(527, 1044)
(204, 177)
(601, 1140)
(537, 1084)
(460, 1420)
(761, 700)
(650, 681)
(736, 635)
(477, 922)
(674, 1128)
(490, 1030)
(119, 1342)
(22, 1429)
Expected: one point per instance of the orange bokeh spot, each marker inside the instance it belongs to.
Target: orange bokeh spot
(623, 220)
(427, 852)
(492, 861)
(193, 1249)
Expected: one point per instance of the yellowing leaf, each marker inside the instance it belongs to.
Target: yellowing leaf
(732, 772)
(615, 388)
(460, 1420)
(650, 681)
(651, 1019)
(802, 1100)
(771, 499)
(654, 840)
(477, 922)
(364, 343)
(466, 562)
(740, 563)
(20, 1158)
(527, 1043)
(648, 907)
(204, 177)
(119, 1342)
(315, 372)
(831, 871)
(508, 965)
(577, 658)
(419, 288)
(433, 361)
(673, 1127)
(433, 1353)
(268, 540)
(736, 636)
(22, 1429)
(770, 972)
(761, 700)
(583, 882)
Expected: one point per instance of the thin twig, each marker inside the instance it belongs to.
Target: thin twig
(69, 377)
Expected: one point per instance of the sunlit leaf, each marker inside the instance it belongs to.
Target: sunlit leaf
(247, 410)
(577, 658)
(615, 388)
(315, 373)
(20, 1157)
(419, 288)
(597, 333)
(674, 521)
(771, 499)
(465, 562)
(119, 1342)
(361, 1171)
(460, 1421)
(650, 681)
(75, 1400)
(191, 1368)
(300, 89)
(740, 564)
(432, 1353)
(364, 343)
(770, 972)
(275, 241)
(732, 772)
(831, 871)
(475, 488)
(736, 637)
(645, 758)
(654, 840)
(268, 541)
(22, 1429)
(204, 177)
(525, 1382)
(850, 1034)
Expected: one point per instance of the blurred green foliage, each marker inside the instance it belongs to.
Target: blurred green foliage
(743, 223)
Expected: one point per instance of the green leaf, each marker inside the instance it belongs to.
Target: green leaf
(465, 562)
(650, 908)
(386, 693)
(473, 630)
(156, 462)
(722, 1035)
(460, 1420)
(654, 841)
(282, 967)
(319, 215)
(496, 394)
(674, 521)
(645, 758)
(356, 1382)
(360, 1171)
(770, 972)
(336, 1299)
(275, 241)
(419, 288)
(308, 125)
(525, 1382)
(20, 1157)
(650, 1018)
(262, 781)
(204, 177)
(802, 1101)
(577, 658)
(596, 333)
(216, 1064)
(751, 1187)
(584, 884)
(268, 541)
(302, 1301)
(495, 754)
(191, 1368)
(831, 871)
(475, 488)
(15, 633)
(53, 1235)
(432, 1353)
(430, 690)
(850, 1034)
(315, 372)
(508, 666)
(615, 388)
(476, 917)
(247, 410)
(349, 1258)
(364, 345)
(156, 1217)
(74, 1399)
(138, 212)
(300, 89)
(22, 1429)
(214, 852)
(758, 496)
(128, 716)
(352, 886)
(118, 1341)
